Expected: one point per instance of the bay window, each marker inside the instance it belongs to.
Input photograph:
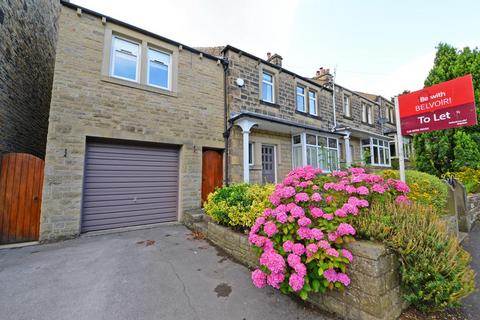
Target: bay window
(320, 152)
(376, 152)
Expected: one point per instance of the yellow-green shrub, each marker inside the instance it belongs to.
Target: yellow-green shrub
(469, 177)
(424, 188)
(238, 205)
(435, 271)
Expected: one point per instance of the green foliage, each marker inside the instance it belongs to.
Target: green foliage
(435, 271)
(238, 205)
(424, 188)
(441, 151)
(469, 177)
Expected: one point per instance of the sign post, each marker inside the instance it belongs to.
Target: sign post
(450, 104)
(401, 159)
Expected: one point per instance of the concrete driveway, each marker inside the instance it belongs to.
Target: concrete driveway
(117, 276)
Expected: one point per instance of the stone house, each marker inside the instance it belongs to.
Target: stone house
(28, 31)
(143, 128)
(132, 115)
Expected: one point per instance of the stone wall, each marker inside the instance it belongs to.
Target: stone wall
(85, 103)
(28, 32)
(473, 207)
(374, 292)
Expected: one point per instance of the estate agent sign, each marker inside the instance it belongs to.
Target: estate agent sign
(450, 104)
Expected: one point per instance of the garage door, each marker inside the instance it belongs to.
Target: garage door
(129, 185)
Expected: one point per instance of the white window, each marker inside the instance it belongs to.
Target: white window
(321, 152)
(346, 106)
(367, 113)
(268, 87)
(376, 152)
(125, 59)
(301, 98)
(251, 156)
(159, 65)
(364, 112)
(312, 103)
(392, 114)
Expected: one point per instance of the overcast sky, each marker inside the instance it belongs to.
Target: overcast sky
(381, 47)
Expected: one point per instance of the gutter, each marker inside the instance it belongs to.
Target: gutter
(70, 5)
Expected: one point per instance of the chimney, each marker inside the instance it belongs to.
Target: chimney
(321, 72)
(275, 59)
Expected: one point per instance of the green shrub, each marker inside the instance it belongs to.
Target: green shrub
(424, 188)
(238, 205)
(469, 177)
(435, 272)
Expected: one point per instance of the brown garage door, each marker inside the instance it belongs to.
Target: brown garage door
(129, 185)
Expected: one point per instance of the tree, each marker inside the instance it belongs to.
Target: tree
(448, 150)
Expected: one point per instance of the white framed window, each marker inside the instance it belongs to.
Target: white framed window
(301, 99)
(125, 59)
(392, 114)
(376, 152)
(312, 103)
(251, 155)
(268, 87)
(159, 69)
(347, 111)
(367, 113)
(321, 152)
(364, 112)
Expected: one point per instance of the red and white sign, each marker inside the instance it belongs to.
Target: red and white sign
(450, 104)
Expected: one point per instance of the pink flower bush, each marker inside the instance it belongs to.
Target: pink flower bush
(302, 236)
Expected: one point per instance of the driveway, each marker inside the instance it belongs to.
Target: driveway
(471, 305)
(160, 273)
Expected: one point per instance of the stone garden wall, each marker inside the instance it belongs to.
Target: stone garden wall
(374, 292)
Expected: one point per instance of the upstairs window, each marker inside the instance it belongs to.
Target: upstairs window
(267, 87)
(125, 59)
(312, 103)
(301, 99)
(347, 111)
(159, 64)
(392, 115)
(367, 113)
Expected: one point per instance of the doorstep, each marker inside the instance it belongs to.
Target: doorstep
(19, 245)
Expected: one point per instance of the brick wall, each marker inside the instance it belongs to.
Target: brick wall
(28, 31)
(84, 103)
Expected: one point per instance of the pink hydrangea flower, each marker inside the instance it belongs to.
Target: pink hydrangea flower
(332, 236)
(330, 275)
(363, 190)
(274, 199)
(288, 192)
(315, 187)
(345, 229)
(337, 173)
(355, 171)
(267, 244)
(282, 217)
(259, 278)
(301, 197)
(270, 228)
(402, 199)
(343, 278)
(341, 213)
(328, 216)
(275, 279)
(273, 261)
(323, 244)
(300, 269)
(328, 199)
(293, 260)
(297, 212)
(316, 197)
(378, 188)
(332, 252)
(401, 186)
(268, 212)
(350, 189)
(303, 222)
(316, 212)
(347, 254)
(298, 249)
(304, 232)
(296, 282)
(316, 234)
(288, 246)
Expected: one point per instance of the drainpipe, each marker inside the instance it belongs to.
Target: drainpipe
(226, 132)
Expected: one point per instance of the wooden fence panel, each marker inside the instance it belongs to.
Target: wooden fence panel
(21, 181)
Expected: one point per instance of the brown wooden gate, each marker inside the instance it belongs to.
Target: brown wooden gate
(21, 181)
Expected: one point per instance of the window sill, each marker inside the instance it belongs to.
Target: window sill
(347, 117)
(270, 104)
(308, 115)
(368, 124)
(137, 85)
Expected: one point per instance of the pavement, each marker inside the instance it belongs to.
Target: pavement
(158, 273)
(471, 304)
